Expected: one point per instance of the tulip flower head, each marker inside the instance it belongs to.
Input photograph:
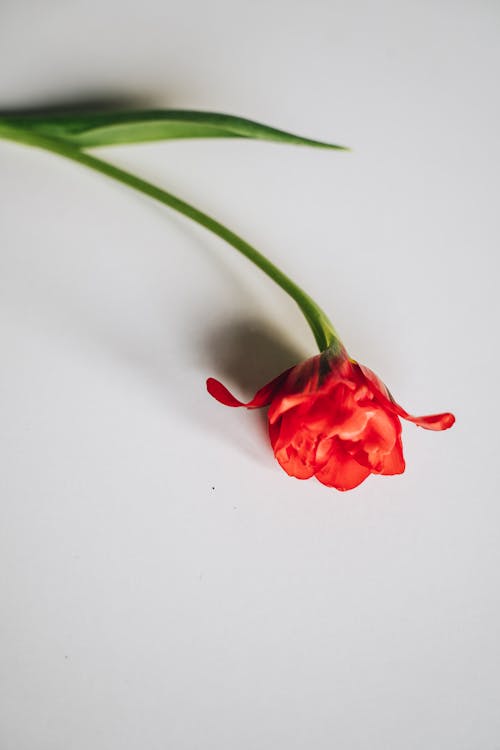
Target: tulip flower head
(332, 418)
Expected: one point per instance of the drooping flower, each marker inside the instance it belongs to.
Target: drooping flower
(329, 416)
(334, 419)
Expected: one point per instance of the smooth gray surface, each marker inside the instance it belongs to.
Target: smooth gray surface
(163, 584)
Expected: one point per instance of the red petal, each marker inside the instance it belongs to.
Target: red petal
(294, 447)
(394, 462)
(378, 447)
(430, 422)
(341, 471)
(220, 393)
(309, 391)
(291, 460)
(263, 397)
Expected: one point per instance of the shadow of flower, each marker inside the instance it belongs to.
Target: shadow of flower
(246, 354)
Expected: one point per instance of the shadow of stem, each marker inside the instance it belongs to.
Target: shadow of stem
(88, 102)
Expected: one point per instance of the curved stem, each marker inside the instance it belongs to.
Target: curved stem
(323, 330)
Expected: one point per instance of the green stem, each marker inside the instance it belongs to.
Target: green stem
(323, 330)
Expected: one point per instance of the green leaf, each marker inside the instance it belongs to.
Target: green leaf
(108, 129)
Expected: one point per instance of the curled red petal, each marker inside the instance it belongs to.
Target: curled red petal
(263, 397)
(429, 422)
(221, 394)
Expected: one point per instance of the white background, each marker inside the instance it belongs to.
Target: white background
(163, 584)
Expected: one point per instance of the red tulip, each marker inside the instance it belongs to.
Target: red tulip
(332, 418)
